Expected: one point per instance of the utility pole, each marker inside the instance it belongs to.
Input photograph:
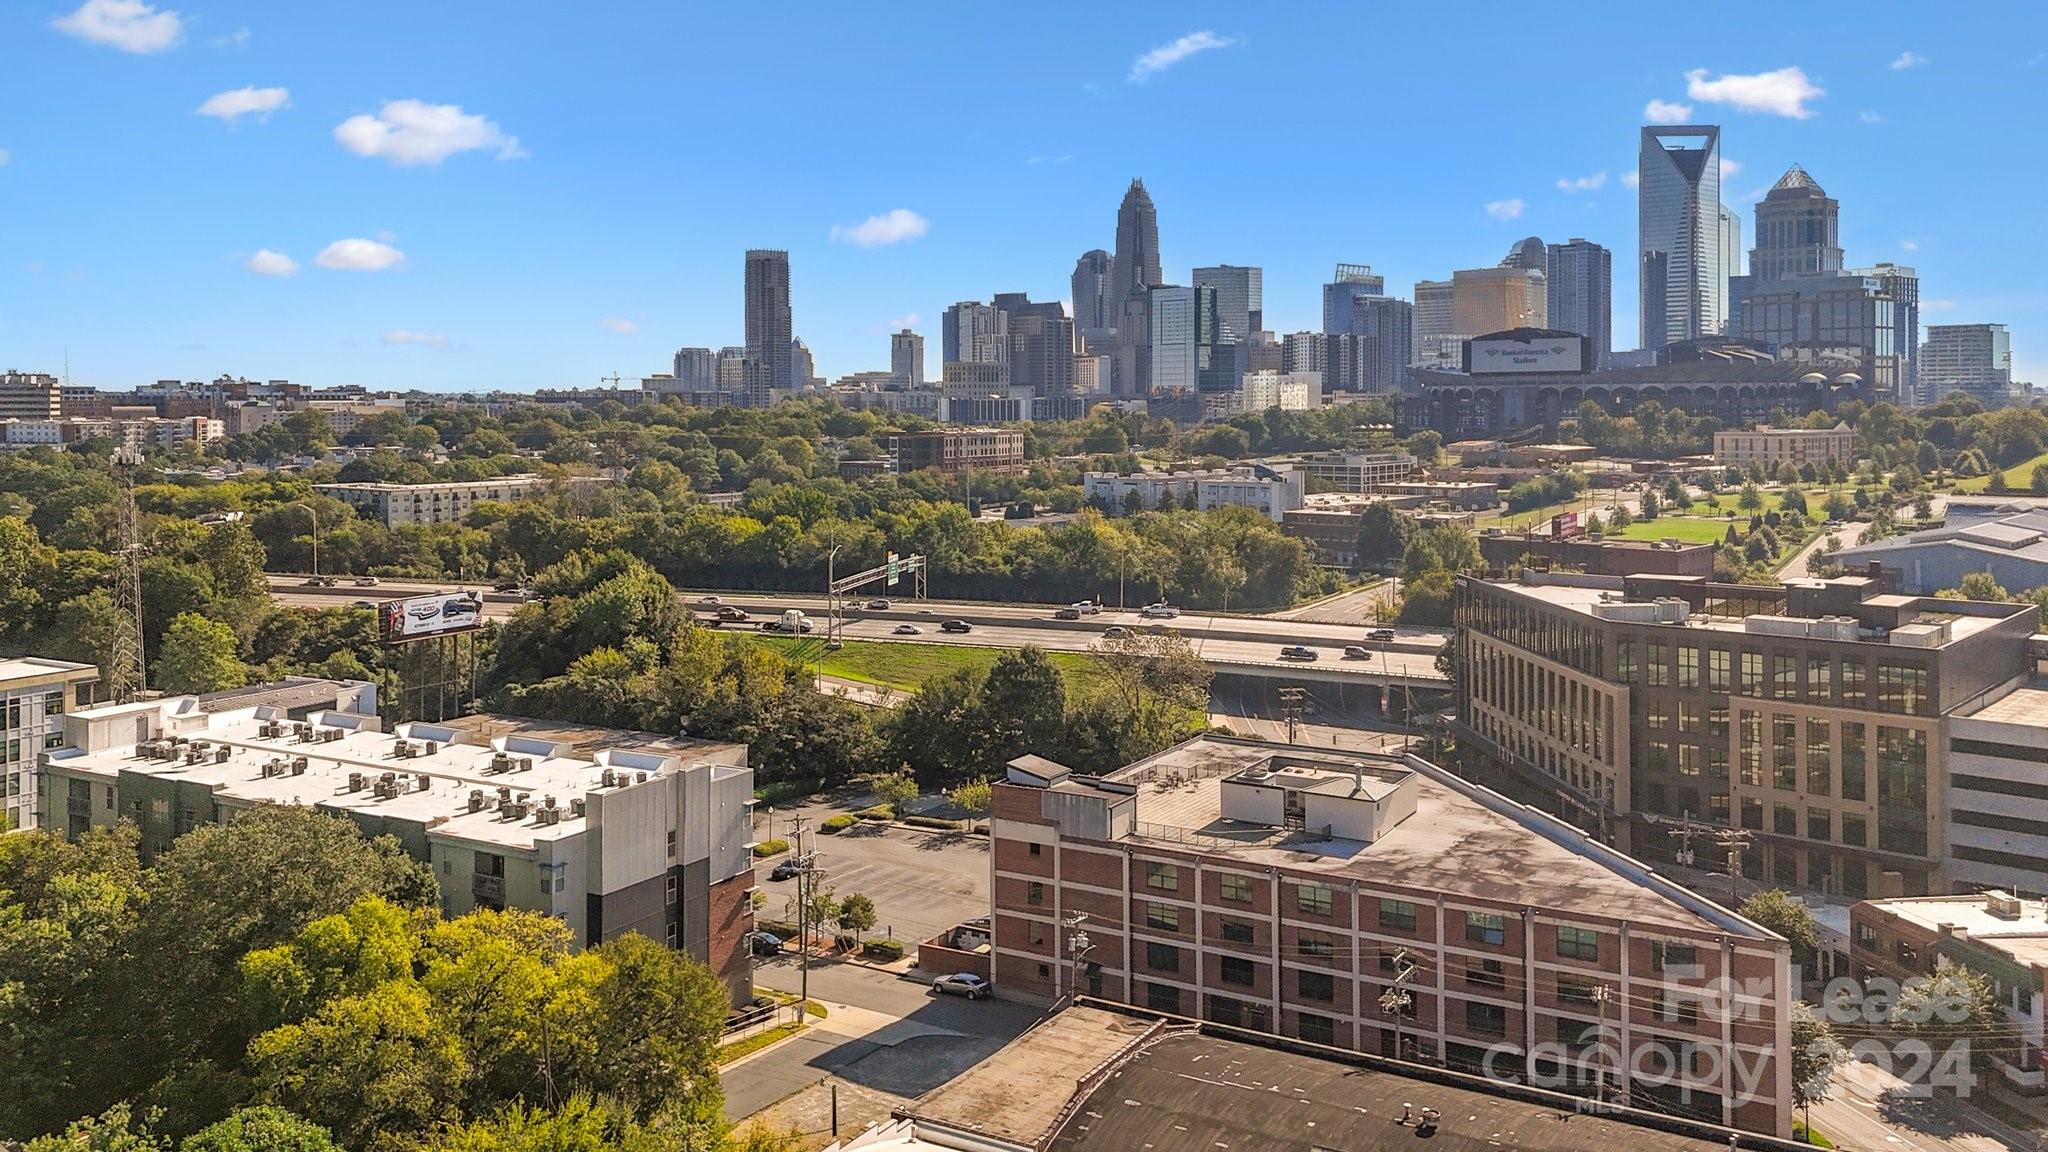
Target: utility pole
(1396, 1000)
(1600, 997)
(1734, 840)
(1293, 702)
(1685, 832)
(807, 875)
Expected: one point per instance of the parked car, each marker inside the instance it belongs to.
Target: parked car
(784, 870)
(1299, 652)
(1115, 632)
(366, 581)
(767, 944)
(878, 604)
(964, 984)
(907, 630)
(1067, 614)
(956, 626)
(1159, 611)
(1356, 652)
(1380, 635)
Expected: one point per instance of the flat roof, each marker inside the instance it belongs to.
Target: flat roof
(2023, 937)
(388, 486)
(2027, 704)
(1462, 839)
(1585, 598)
(32, 667)
(1020, 1092)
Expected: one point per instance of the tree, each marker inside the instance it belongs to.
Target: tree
(262, 1128)
(1383, 535)
(1751, 497)
(1647, 505)
(808, 910)
(115, 1130)
(382, 1062)
(1982, 586)
(973, 797)
(1780, 913)
(857, 913)
(198, 655)
(1021, 707)
(1816, 1055)
(1954, 1010)
(894, 789)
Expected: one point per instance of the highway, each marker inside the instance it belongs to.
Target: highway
(1237, 645)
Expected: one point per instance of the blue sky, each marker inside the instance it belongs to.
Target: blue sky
(527, 194)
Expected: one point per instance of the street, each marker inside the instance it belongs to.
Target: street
(1872, 1109)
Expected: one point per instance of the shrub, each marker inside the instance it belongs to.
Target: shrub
(839, 823)
(882, 949)
(878, 812)
(770, 848)
(786, 791)
(938, 822)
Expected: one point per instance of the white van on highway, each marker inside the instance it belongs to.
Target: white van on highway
(1086, 607)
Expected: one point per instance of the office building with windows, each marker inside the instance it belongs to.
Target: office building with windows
(648, 835)
(1240, 298)
(1971, 358)
(1381, 904)
(1187, 350)
(1437, 340)
(1681, 235)
(906, 357)
(1351, 282)
(35, 696)
(1093, 311)
(1798, 230)
(975, 333)
(1372, 354)
(1579, 285)
(1812, 716)
(770, 327)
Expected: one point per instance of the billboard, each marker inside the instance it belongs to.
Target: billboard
(419, 617)
(1565, 525)
(1563, 352)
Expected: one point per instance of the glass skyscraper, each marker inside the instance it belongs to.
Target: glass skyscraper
(1681, 231)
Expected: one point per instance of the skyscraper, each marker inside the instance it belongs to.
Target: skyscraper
(1798, 230)
(1185, 334)
(1041, 344)
(906, 357)
(1528, 254)
(801, 369)
(1136, 264)
(1581, 291)
(1839, 321)
(1902, 284)
(1094, 310)
(1435, 322)
(696, 368)
(1497, 299)
(769, 325)
(975, 333)
(1240, 298)
(1374, 353)
(1684, 273)
(1972, 358)
(1350, 282)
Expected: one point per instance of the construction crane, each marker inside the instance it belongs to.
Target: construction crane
(125, 672)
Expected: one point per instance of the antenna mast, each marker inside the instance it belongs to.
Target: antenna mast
(126, 678)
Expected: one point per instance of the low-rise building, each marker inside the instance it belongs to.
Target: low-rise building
(1997, 803)
(2010, 543)
(30, 396)
(1774, 446)
(1473, 495)
(1382, 904)
(1357, 471)
(35, 696)
(1598, 557)
(609, 841)
(955, 451)
(446, 502)
(1271, 491)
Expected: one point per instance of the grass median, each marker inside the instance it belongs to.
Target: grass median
(890, 664)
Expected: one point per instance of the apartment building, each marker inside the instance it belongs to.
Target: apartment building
(1774, 446)
(30, 396)
(955, 451)
(35, 696)
(1382, 904)
(448, 502)
(620, 839)
(1997, 794)
(1357, 471)
(1814, 716)
(1271, 491)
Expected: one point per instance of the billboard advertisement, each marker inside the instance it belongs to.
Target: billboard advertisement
(1562, 353)
(419, 617)
(1565, 525)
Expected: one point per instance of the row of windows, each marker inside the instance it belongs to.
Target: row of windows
(1901, 688)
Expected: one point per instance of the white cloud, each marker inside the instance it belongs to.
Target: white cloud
(6, 157)
(1060, 159)
(239, 38)
(415, 132)
(129, 25)
(620, 325)
(1505, 209)
(1869, 117)
(417, 339)
(359, 255)
(1908, 59)
(268, 263)
(1167, 55)
(1910, 245)
(1937, 305)
(1729, 167)
(1667, 112)
(1781, 93)
(907, 320)
(891, 227)
(1631, 178)
(236, 103)
(1591, 183)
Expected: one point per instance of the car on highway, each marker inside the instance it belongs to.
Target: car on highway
(311, 582)
(1067, 614)
(963, 984)
(907, 630)
(506, 586)
(366, 581)
(784, 870)
(878, 604)
(1159, 611)
(792, 622)
(370, 604)
(1086, 607)
(730, 614)
(1357, 652)
(1299, 652)
(709, 601)
(766, 944)
(927, 611)
(956, 626)
(1380, 635)
(1115, 632)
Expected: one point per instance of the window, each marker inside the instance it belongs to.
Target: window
(1486, 974)
(1164, 877)
(1034, 932)
(1867, 938)
(671, 935)
(1237, 889)
(1752, 750)
(1656, 714)
(1625, 662)
(1678, 1009)
(1902, 790)
(1717, 721)
(1852, 761)
(1390, 959)
(1752, 673)
(1784, 753)
(671, 845)
(1315, 986)
(1688, 716)
(1852, 684)
(1486, 928)
(1785, 677)
(1784, 820)
(1162, 997)
(1315, 1029)
(1717, 670)
(1665, 955)
(1034, 893)
(1659, 664)
(1688, 759)
(1854, 832)
(1237, 931)
(671, 890)
(1037, 849)
(1819, 682)
(1316, 944)
(1485, 1019)
(1753, 813)
(1578, 943)
(1657, 755)
(1398, 915)
(1902, 688)
(1574, 1033)
(1164, 917)
(1313, 899)
(1820, 751)
(1688, 666)
(1162, 957)
(1572, 990)
(1235, 970)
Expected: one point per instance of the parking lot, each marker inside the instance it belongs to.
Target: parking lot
(922, 882)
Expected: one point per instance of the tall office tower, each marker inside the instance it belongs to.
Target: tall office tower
(1302, 352)
(906, 357)
(696, 368)
(1094, 304)
(1902, 285)
(1264, 353)
(1972, 358)
(732, 368)
(1798, 230)
(1136, 264)
(1374, 353)
(1185, 339)
(1683, 271)
(801, 368)
(1240, 298)
(1731, 257)
(1351, 282)
(1496, 299)
(1042, 350)
(769, 325)
(1581, 289)
(1436, 329)
(1838, 321)
(1529, 255)
(975, 333)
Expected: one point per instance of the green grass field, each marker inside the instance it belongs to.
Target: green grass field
(1691, 529)
(2018, 478)
(905, 666)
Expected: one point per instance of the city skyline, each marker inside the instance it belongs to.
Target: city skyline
(443, 218)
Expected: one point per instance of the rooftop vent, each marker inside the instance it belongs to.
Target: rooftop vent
(2004, 905)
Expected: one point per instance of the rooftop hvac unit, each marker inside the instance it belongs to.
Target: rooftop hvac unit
(303, 731)
(548, 802)
(504, 794)
(526, 763)
(432, 747)
(330, 734)
(426, 781)
(193, 755)
(299, 763)
(643, 777)
(402, 749)
(202, 745)
(220, 754)
(2003, 904)
(525, 796)
(514, 811)
(501, 762)
(476, 799)
(269, 730)
(355, 781)
(576, 807)
(608, 778)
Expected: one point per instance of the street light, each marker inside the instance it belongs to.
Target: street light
(315, 516)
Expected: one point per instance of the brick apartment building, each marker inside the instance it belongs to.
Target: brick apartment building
(1290, 890)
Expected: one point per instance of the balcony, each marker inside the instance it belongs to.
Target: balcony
(484, 887)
